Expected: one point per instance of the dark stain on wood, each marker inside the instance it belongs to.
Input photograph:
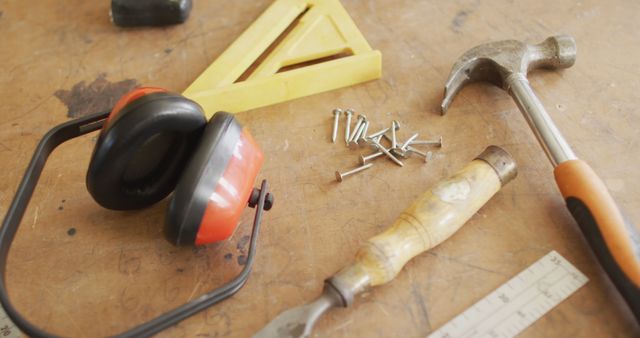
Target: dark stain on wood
(98, 96)
(459, 21)
(242, 260)
(242, 243)
(71, 231)
(228, 256)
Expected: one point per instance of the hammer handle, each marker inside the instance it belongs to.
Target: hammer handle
(614, 239)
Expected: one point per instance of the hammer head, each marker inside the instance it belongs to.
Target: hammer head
(496, 61)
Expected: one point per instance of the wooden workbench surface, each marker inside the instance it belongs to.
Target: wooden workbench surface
(77, 269)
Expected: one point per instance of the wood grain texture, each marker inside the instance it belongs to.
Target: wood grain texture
(434, 217)
(115, 269)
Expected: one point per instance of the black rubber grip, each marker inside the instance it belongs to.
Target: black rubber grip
(591, 231)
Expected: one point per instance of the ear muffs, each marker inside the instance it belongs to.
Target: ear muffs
(143, 148)
(155, 142)
(216, 184)
(213, 190)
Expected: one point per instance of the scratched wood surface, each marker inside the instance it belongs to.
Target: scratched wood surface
(79, 270)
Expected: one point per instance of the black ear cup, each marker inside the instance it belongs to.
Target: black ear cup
(142, 151)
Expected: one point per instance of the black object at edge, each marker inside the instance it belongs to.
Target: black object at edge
(591, 231)
(132, 13)
(49, 142)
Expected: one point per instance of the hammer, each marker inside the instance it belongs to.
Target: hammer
(612, 237)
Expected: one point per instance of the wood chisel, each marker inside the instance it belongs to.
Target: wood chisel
(431, 219)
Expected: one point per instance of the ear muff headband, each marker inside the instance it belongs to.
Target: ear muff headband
(141, 153)
(58, 135)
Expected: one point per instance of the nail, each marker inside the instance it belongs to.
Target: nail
(348, 112)
(399, 152)
(382, 132)
(360, 120)
(393, 134)
(386, 152)
(340, 176)
(336, 118)
(365, 159)
(416, 151)
(363, 136)
(437, 143)
(373, 141)
(359, 133)
(408, 142)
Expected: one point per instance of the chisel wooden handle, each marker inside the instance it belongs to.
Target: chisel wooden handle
(430, 220)
(612, 238)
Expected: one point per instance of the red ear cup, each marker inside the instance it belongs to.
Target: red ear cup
(216, 184)
(232, 193)
(142, 149)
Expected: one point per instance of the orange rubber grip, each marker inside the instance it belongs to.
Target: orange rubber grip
(614, 240)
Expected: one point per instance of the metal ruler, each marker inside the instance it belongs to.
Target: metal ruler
(518, 303)
(7, 328)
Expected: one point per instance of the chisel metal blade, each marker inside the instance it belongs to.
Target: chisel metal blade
(298, 322)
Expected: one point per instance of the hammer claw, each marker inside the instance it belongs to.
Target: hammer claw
(457, 80)
(468, 69)
(495, 62)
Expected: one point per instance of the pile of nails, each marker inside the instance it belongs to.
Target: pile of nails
(358, 135)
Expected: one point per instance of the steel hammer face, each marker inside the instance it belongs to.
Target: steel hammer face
(495, 62)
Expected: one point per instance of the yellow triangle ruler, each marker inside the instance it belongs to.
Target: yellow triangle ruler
(295, 48)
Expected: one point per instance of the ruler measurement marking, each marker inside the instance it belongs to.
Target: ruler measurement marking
(498, 291)
(529, 302)
(534, 297)
(521, 301)
(7, 328)
(545, 301)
